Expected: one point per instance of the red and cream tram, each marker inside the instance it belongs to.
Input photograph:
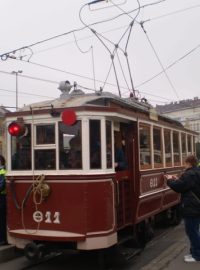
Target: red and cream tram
(86, 171)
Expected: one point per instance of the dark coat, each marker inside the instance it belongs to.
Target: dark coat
(189, 181)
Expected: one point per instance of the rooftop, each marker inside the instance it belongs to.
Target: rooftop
(178, 105)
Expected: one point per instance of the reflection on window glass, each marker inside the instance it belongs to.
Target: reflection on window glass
(176, 148)
(21, 151)
(95, 144)
(45, 134)
(70, 146)
(189, 144)
(168, 149)
(157, 146)
(109, 144)
(45, 159)
(183, 143)
(145, 147)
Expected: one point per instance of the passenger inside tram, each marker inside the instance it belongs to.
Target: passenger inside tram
(120, 159)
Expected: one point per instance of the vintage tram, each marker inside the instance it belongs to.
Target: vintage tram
(86, 171)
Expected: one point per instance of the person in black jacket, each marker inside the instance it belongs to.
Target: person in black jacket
(2, 202)
(189, 186)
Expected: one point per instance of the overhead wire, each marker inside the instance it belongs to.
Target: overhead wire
(170, 66)
(28, 77)
(24, 93)
(84, 77)
(92, 56)
(116, 46)
(171, 13)
(4, 56)
(159, 61)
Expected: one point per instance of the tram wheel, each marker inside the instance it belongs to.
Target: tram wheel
(34, 252)
(144, 233)
(175, 215)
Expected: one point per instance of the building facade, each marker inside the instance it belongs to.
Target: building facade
(185, 111)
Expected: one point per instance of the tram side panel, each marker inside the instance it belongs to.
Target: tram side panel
(153, 196)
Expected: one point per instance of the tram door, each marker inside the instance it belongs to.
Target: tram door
(125, 138)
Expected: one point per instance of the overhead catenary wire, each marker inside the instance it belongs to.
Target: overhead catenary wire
(116, 46)
(159, 61)
(4, 56)
(171, 13)
(105, 81)
(91, 49)
(170, 66)
(24, 93)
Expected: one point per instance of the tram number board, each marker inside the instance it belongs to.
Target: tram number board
(151, 182)
(47, 217)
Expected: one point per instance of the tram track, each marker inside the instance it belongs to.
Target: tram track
(42, 261)
(124, 256)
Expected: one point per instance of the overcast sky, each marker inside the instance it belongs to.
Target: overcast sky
(174, 38)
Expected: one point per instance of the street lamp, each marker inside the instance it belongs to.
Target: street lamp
(16, 74)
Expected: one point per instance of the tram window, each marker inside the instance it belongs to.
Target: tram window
(45, 159)
(194, 144)
(168, 148)
(95, 144)
(45, 134)
(145, 147)
(21, 151)
(176, 149)
(189, 143)
(109, 144)
(183, 143)
(70, 146)
(157, 147)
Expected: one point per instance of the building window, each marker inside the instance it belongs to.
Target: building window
(145, 147)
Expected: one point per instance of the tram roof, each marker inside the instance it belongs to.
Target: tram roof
(78, 98)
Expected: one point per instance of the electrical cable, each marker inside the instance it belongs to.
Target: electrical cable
(24, 93)
(159, 61)
(81, 76)
(4, 56)
(168, 67)
(29, 77)
(116, 46)
(171, 13)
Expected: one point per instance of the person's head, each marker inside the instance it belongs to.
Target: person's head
(191, 161)
(2, 161)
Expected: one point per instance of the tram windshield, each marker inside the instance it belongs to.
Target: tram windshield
(70, 146)
(21, 151)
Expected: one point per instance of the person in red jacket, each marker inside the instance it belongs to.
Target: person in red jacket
(188, 185)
